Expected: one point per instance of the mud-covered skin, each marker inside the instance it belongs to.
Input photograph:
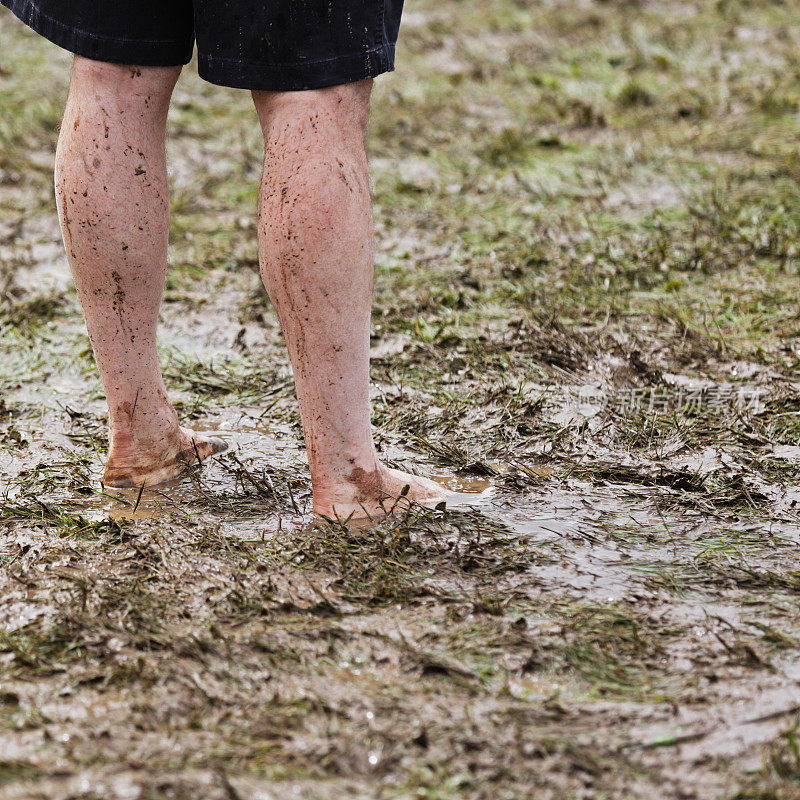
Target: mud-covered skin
(376, 493)
(316, 261)
(113, 205)
(133, 466)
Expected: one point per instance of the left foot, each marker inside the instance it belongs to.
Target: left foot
(375, 493)
(131, 468)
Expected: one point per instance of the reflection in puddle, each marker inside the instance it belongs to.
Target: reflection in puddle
(131, 504)
(465, 490)
(462, 483)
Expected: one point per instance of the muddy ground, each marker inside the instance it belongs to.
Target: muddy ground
(586, 316)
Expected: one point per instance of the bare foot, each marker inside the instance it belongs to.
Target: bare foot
(374, 494)
(131, 466)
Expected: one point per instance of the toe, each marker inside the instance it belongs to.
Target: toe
(204, 446)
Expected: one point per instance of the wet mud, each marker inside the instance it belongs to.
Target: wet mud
(586, 269)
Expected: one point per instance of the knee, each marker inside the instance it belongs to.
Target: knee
(125, 84)
(316, 115)
(312, 202)
(311, 205)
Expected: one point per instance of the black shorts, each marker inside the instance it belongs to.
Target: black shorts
(251, 44)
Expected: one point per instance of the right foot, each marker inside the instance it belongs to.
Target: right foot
(377, 493)
(131, 467)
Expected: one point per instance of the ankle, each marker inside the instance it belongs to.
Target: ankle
(346, 469)
(144, 432)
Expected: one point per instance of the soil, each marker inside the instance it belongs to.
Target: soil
(585, 323)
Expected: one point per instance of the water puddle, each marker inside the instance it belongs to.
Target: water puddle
(465, 491)
(463, 483)
(131, 504)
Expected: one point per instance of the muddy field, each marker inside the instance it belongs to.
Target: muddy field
(586, 321)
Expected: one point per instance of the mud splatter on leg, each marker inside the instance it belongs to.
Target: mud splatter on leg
(315, 246)
(112, 197)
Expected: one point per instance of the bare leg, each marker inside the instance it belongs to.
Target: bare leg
(112, 198)
(315, 247)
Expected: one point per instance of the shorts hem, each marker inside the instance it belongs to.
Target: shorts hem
(112, 50)
(319, 74)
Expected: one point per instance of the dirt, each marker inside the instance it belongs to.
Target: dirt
(585, 324)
